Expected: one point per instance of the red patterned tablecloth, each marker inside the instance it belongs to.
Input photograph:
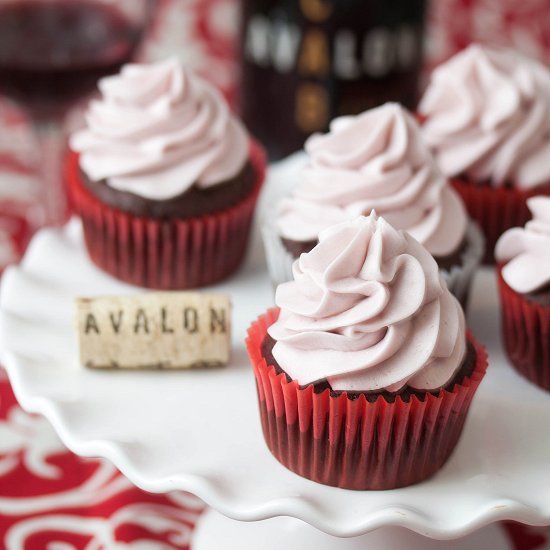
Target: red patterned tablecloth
(521, 24)
(49, 496)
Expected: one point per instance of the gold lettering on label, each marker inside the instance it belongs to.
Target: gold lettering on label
(316, 10)
(314, 55)
(312, 109)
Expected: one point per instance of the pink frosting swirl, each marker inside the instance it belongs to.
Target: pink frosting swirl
(527, 251)
(488, 116)
(157, 131)
(375, 161)
(368, 311)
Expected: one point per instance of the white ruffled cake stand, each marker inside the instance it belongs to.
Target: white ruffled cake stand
(199, 430)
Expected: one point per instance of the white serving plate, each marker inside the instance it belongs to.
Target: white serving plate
(199, 431)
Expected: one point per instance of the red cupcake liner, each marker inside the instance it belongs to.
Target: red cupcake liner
(526, 334)
(166, 254)
(353, 443)
(496, 209)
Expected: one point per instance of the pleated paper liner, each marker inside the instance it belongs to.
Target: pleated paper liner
(166, 254)
(525, 334)
(460, 277)
(354, 443)
(496, 209)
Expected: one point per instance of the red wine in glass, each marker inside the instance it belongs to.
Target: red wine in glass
(53, 52)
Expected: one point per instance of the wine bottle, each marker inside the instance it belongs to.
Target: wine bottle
(304, 62)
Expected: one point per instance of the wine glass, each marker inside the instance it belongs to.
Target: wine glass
(52, 52)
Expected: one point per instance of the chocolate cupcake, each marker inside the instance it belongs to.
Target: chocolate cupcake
(366, 373)
(524, 282)
(486, 116)
(375, 161)
(165, 179)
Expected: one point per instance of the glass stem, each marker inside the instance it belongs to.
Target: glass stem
(52, 145)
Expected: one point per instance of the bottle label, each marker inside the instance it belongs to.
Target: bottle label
(328, 58)
(347, 54)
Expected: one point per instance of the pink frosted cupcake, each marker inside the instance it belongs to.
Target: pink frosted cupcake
(366, 372)
(375, 161)
(524, 281)
(486, 116)
(164, 178)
